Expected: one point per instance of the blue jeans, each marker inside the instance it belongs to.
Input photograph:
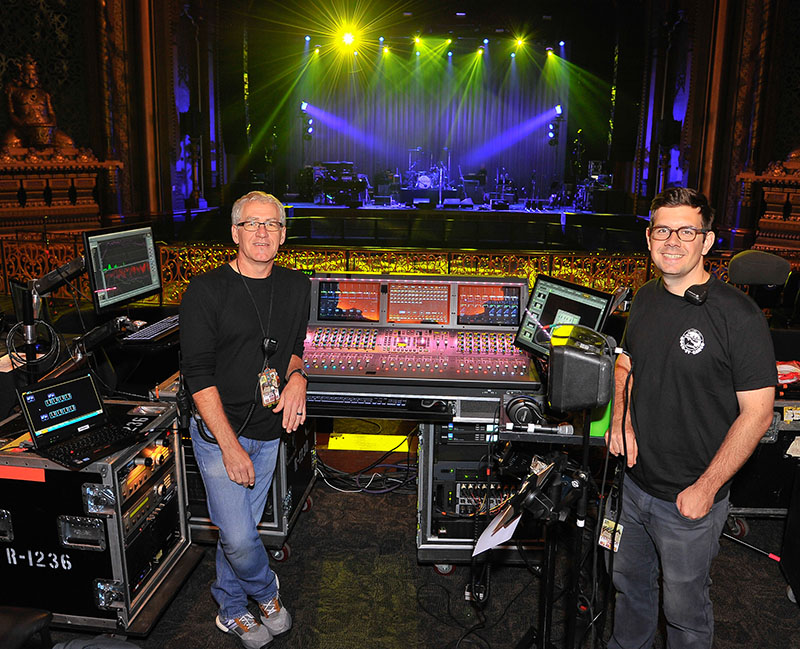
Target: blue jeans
(654, 532)
(242, 561)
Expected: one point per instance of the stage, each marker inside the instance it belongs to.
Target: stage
(516, 228)
(429, 226)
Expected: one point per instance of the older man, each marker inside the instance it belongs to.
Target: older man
(242, 331)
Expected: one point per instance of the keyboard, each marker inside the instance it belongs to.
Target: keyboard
(359, 401)
(94, 445)
(391, 407)
(155, 331)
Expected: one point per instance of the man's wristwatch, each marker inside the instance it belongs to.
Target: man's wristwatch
(298, 370)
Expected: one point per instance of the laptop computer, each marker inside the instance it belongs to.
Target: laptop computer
(69, 424)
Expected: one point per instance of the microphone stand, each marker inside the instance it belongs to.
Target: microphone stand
(580, 526)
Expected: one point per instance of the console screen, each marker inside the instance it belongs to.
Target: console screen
(419, 303)
(490, 305)
(344, 301)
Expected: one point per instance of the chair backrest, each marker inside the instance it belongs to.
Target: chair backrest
(754, 267)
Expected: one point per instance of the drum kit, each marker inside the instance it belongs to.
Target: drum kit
(423, 173)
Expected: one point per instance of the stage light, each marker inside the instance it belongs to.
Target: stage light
(450, 54)
(355, 52)
(416, 39)
(551, 126)
(417, 53)
(520, 42)
(550, 134)
(485, 41)
(303, 105)
(558, 109)
(480, 50)
(513, 55)
(308, 38)
(348, 38)
(310, 121)
(310, 130)
(449, 40)
(385, 50)
(316, 49)
(549, 51)
(380, 40)
(561, 43)
(460, 13)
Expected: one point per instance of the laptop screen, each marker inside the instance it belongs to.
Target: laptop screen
(59, 410)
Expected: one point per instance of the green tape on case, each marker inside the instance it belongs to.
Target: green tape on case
(601, 420)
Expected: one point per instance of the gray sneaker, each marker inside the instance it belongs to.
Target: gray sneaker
(252, 634)
(274, 616)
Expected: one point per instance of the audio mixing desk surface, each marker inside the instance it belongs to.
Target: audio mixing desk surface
(415, 347)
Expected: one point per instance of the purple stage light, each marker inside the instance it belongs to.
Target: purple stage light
(506, 139)
(340, 125)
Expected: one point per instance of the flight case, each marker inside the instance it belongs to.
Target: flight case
(104, 547)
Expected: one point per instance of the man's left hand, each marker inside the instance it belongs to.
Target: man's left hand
(695, 502)
(293, 403)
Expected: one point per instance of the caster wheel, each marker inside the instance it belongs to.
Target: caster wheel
(790, 595)
(444, 568)
(308, 504)
(738, 527)
(281, 555)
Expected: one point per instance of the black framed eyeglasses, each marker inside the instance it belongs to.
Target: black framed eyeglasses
(686, 233)
(252, 226)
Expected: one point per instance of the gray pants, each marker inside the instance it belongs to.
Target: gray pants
(654, 535)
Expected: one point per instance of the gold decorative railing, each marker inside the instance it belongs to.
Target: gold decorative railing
(23, 260)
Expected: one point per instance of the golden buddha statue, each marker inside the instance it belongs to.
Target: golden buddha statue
(33, 120)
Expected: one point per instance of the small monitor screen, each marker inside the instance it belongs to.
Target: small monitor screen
(417, 303)
(61, 409)
(349, 301)
(122, 265)
(554, 301)
(488, 304)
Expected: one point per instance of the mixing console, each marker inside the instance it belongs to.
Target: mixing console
(409, 354)
(421, 348)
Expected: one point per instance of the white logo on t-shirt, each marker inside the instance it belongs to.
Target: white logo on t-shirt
(692, 341)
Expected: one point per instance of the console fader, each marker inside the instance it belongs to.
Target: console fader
(414, 354)
(397, 341)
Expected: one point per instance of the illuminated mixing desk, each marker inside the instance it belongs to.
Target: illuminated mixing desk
(415, 347)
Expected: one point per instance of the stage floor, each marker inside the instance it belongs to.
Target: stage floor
(479, 227)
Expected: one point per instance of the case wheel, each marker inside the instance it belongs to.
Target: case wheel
(282, 554)
(738, 527)
(444, 568)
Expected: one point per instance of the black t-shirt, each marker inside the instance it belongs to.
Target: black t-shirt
(221, 338)
(689, 362)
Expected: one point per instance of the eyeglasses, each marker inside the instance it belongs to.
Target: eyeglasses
(686, 233)
(252, 226)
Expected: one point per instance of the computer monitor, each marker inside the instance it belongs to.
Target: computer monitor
(555, 301)
(123, 265)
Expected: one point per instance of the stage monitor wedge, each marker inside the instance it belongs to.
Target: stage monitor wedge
(555, 301)
(122, 264)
